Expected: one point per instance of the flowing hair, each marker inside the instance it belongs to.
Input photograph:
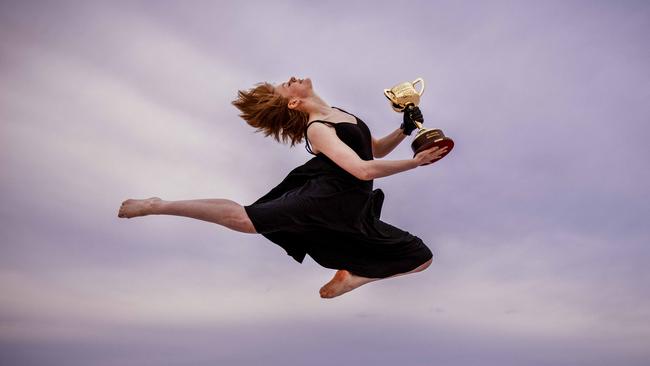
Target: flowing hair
(268, 112)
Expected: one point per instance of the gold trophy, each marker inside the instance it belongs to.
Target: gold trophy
(403, 97)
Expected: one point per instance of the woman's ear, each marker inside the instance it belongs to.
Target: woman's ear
(293, 103)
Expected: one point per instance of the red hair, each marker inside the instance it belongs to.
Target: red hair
(268, 112)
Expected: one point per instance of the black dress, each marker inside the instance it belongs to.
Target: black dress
(322, 210)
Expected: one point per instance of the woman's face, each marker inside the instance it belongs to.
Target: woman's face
(294, 88)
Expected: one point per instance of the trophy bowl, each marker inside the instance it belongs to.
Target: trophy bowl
(404, 94)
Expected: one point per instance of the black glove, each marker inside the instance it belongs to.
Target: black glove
(411, 114)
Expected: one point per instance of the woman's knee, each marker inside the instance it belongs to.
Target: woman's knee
(244, 222)
(425, 256)
(424, 265)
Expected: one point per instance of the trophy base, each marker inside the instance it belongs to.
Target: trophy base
(427, 139)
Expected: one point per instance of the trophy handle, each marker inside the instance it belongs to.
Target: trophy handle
(390, 95)
(421, 81)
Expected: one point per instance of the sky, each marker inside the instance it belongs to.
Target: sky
(538, 219)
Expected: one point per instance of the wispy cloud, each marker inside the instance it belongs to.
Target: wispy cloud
(537, 219)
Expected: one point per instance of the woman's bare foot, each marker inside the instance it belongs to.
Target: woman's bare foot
(133, 208)
(342, 282)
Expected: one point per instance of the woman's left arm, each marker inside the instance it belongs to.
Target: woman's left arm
(383, 146)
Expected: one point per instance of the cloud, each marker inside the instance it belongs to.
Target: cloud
(536, 218)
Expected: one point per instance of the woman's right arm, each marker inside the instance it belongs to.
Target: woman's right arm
(384, 168)
(324, 139)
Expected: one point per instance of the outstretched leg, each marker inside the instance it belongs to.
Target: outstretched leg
(344, 281)
(219, 211)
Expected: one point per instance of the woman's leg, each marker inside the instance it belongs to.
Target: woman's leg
(216, 210)
(344, 281)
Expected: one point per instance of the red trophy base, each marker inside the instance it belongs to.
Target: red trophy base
(428, 138)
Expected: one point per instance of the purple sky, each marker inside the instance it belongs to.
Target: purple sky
(538, 219)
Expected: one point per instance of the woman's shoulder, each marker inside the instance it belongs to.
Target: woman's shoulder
(341, 117)
(328, 123)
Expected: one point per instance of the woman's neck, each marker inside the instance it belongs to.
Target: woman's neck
(317, 108)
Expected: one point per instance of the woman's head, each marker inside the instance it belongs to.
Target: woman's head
(276, 109)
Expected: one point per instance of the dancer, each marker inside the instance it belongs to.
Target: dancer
(327, 207)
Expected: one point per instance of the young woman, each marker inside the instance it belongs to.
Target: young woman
(327, 207)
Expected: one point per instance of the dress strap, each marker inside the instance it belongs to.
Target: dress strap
(344, 111)
(340, 109)
(308, 146)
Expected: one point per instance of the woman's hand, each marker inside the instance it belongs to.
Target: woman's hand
(429, 155)
(411, 114)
